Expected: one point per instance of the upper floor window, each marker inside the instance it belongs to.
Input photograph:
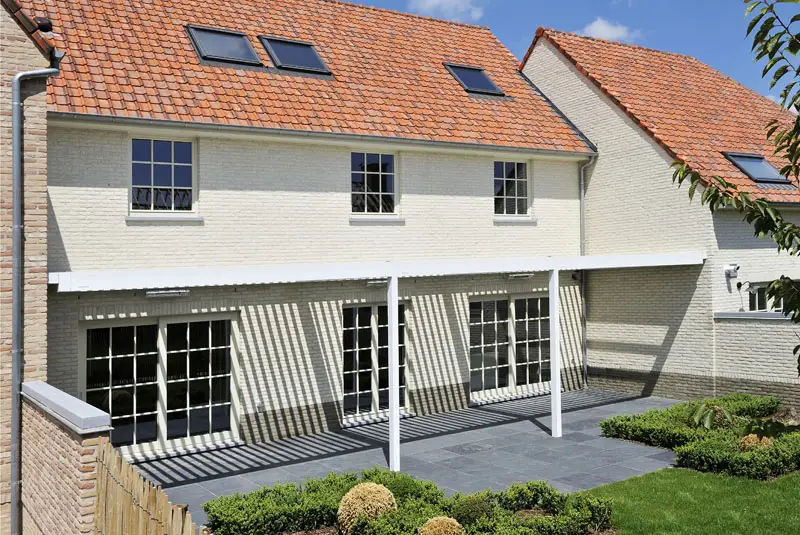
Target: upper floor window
(760, 301)
(510, 188)
(161, 177)
(372, 183)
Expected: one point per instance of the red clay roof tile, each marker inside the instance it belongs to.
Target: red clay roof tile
(388, 73)
(692, 110)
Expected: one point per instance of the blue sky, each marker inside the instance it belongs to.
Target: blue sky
(711, 30)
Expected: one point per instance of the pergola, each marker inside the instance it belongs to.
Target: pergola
(391, 272)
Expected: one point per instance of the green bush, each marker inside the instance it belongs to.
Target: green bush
(722, 454)
(405, 521)
(533, 495)
(471, 508)
(673, 427)
(404, 487)
(280, 508)
(597, 509)
(289, 508)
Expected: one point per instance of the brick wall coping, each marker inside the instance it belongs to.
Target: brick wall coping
(77, 415)
(749, 316)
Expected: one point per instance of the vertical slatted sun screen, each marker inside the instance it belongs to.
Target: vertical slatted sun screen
(129, 504)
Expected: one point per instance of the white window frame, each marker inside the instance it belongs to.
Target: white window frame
(375, 413)
(163, 446)
(512, 390)
(164, 214)
(375, 216)
(769, 304)
(528, 216)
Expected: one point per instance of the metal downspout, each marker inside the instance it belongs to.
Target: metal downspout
(17, 288)
(584, 308)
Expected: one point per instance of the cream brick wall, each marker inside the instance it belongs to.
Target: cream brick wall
(18, 53)
(289, 338)
(268, 203)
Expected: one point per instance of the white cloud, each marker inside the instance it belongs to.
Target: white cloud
(773, 98)
(449, 9)
(604, 29)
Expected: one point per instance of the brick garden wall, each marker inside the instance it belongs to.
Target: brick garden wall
(59, 471)
(18, 53)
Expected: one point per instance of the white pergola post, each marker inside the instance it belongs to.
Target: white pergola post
(555, 356)
(392, 302)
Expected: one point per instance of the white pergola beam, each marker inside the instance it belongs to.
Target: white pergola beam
(392, 302)
(192, 277)
(555, 355)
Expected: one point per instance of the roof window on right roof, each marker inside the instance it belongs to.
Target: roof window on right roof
(756, 167)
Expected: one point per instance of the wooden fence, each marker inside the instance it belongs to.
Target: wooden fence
(128, 504)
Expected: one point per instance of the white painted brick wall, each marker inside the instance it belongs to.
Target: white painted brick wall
(758, 350)
(758, 258)
(267, 203)
(660, 319)
(289, 341)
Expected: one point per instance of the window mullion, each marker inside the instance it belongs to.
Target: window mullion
(161, 379)
(375, 385)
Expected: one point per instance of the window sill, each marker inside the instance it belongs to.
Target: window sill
(373, 418)
(378, 219)
(747, 315)
(523, 220)
(165, 218)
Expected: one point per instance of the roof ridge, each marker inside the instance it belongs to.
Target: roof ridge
(612, 42)
(407, 14)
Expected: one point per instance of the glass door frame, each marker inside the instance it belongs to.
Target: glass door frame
(163, 446)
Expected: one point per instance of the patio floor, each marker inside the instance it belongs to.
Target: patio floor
(491, 446)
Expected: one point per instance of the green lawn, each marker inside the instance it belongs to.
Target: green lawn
(677, 501)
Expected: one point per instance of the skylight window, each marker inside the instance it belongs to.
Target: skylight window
(473, 79)
(294, 55)
(214, 44)
(756, 167)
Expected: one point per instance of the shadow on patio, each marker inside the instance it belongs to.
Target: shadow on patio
(205, 466)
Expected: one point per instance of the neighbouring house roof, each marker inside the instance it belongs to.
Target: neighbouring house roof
(129, 58)
(30, 27)
(693, 111)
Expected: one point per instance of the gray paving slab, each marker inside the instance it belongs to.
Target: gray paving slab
(487, 447)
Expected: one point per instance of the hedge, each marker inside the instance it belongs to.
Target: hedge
(289, 508)
(712, 450)
(722, 454)
(670, 428)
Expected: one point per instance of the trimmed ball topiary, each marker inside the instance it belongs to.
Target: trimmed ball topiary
(367, 501)
(752, 441)
(441, 525)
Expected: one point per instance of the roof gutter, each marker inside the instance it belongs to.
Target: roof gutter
(308, 134)
(18, 281)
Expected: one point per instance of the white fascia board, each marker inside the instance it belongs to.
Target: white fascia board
(144, 279)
